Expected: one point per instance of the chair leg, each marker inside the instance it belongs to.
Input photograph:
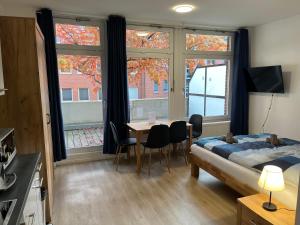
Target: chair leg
(115, 159)
(160, 152)
(184, 154)
(143, 158)
(134, 149)
(119, 150)
(149, 162)
(128, 153)
(167, 156)
(175, 150)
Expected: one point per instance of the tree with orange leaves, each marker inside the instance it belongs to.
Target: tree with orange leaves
(156, 68)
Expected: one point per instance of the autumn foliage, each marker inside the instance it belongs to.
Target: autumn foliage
(156, 68)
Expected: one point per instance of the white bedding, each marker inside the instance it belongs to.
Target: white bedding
(245, 175)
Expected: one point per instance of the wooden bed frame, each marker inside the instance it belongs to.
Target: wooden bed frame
(197, 162)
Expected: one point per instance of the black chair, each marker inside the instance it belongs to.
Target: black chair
(196, 121)
(158, 138)
(178, 136)
(126, 143)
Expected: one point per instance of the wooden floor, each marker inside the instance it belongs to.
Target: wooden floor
(95, 194)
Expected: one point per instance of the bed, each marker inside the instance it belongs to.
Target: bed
(239, 165)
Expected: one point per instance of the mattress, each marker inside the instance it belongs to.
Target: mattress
(245, 175)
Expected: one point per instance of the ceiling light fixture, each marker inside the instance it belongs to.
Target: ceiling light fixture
(142, 33)
(183, 8)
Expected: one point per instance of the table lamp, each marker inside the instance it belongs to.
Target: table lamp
(271, 179)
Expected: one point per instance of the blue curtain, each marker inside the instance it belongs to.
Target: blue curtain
(117, 107)
(240, 97)
(45, 21)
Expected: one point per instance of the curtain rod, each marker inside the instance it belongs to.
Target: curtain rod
(187, 27)
(86, 18)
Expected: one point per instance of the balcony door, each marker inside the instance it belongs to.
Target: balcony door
(80, 68)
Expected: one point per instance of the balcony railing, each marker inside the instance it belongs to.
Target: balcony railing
(83, 121)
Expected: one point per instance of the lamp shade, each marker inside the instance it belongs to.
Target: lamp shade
(271, 178)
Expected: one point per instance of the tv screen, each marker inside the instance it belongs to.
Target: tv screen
(265, 79)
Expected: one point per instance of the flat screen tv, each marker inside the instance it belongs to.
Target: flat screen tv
(265, 79)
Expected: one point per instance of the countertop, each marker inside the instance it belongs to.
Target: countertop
(24, 166)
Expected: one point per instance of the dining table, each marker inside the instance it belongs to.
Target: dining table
(140, 128)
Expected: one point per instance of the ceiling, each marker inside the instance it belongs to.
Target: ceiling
(231, 13)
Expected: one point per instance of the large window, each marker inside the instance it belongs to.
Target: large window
(80, 62)
(208, 59)
(148, 66)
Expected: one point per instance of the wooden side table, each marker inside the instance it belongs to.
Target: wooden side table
(250, 212)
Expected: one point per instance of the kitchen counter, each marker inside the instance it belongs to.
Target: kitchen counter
(24, 166)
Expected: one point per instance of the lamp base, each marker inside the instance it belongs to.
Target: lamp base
(269, 206)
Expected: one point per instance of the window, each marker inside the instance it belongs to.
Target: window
(64, 65)
(147, 39)
(70, 34)
(166, 86)
(100, 94)
(83, 94)
(202, 42)
(67, 94)
(150, 51)
(207, 74)
(155, 87)
(206, 88)
(80, 53)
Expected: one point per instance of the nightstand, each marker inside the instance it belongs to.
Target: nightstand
(250, 212)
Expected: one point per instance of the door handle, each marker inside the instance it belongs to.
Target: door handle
(48, 118)
(39, 185)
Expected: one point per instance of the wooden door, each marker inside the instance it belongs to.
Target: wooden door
(46, 120)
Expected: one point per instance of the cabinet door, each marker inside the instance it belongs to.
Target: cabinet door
(46, 120)
(2, 91)
(29, 212)
(39, 214)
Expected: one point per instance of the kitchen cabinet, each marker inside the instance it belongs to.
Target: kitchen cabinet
(33, 210)
(25, 106)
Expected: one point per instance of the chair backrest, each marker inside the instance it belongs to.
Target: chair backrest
(196, 121)
(159, 136)
(178, 131)
(114, 132)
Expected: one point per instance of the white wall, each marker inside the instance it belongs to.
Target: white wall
(271, 44)
(19, 10)
(278, 43)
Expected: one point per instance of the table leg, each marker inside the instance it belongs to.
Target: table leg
(138, 152)
(190, 139)
(189, 142)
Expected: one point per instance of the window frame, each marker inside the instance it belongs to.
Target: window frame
(90, 22)
(98, 94)
(89, 96)
(152, 50)
(62, 97)
(158, 55)
(228, 55)
(100, 51)
(207, 32)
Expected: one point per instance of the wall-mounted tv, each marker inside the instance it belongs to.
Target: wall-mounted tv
(265, 79)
